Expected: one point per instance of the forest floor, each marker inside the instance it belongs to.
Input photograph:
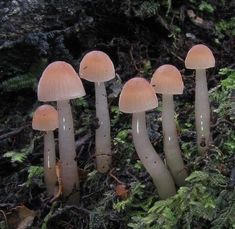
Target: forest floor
(139, 36)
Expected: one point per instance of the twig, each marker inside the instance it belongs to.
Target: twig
(83, 140)
(115, 178)
(220, 121)
(133, 176)
(5, 218)
(133, 60)
(178, 57)
(80, 209)
(163, 22)
(89, 195)
(12, 133)
(80, 152)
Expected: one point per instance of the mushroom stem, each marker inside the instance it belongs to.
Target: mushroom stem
(150, 159)
(171, 145)
(49, 162)
(202, 111)
(102, 137)
(69, 169)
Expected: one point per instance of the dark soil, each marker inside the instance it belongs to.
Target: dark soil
(35, 33)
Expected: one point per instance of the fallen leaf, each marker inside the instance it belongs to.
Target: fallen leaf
(121, 191)
(21, 217)
(59, 188)
(198, 21)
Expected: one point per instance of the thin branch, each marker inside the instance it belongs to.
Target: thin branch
(221, 121)
(114, 177)
(12, 133)
(5, 218)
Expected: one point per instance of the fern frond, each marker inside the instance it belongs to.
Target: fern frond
(35, 172)
(146, 9)
(226, 212)
(97, 215)
(192, 203)
(18, 83)
(24, 81)
(21, 156)
(15, 156)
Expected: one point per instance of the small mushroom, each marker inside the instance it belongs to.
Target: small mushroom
(59, 82)
(167, 81)
(200, 57)
(45, 118)
(97, 67)
(137, 96)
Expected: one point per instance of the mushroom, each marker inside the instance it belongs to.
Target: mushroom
(97, 67)
(59, 82)
(45, 118)
(200, 58)
(167, 81)
(137, 96)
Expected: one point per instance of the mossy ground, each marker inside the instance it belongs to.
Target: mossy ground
(139, 36)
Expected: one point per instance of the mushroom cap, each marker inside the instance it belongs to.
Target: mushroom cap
(136, 96)
(96, 66)
(45, 118)
(167, 80)
(59, 81)
(199, 57)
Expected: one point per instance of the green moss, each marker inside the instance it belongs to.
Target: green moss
(225, 28)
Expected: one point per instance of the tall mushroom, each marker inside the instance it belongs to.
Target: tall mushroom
(167, 81)
(200, 58)
(45, 118)
(59, 82)
(97, 67)
(137, 96)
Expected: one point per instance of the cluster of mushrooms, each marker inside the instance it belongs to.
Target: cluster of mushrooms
(60, 82)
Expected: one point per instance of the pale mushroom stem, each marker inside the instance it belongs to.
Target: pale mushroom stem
(150, 159)
(171, 145)
(102, 137)
(50, 162)
(69, 169)
(202, 111)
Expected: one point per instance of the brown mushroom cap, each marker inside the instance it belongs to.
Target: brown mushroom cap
(59, 81)
(199, 57)
(45, 118)
(136, 96)
(96, 66)
(167, 80)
